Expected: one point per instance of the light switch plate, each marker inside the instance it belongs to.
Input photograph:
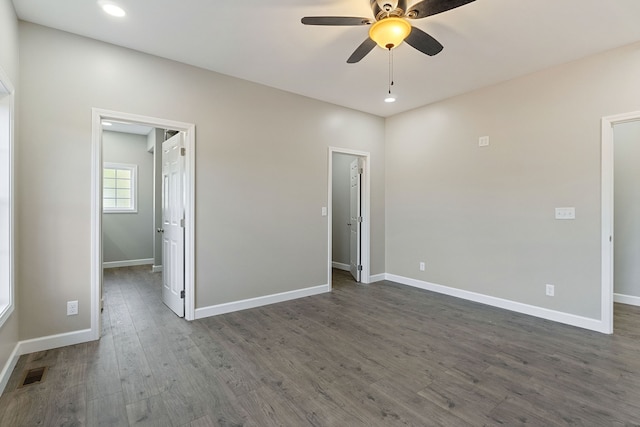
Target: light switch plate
(565, 213)
(324, 211)
(483, 141)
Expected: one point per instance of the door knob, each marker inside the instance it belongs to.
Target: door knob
(160, 230)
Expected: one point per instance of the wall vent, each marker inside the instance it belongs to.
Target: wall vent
(33, 376)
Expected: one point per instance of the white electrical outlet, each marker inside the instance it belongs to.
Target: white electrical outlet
(422, 266)
(551, 290)
(72, 308)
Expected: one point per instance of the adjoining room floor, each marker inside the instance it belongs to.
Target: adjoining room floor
(363, 355)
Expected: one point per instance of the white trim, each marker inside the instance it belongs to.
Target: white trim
(127, 263)
(607, 216)
(340, 266)
(98, 115)
(377, 278)
(544, 313)
(230, 307)
(8, 307)
(156, 269)
(55, 341)
(366, 212)
(626, 299)
(7, 370)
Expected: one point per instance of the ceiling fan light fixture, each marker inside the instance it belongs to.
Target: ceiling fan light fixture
(389, 32)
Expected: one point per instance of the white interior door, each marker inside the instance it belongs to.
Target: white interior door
(355, 220)
(173, 224)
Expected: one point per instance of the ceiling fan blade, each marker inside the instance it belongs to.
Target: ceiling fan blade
(426, 8)
(423, 42)
(335, 20)
(361, 51)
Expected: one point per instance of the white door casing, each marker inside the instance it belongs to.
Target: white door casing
(607, 234)
(172, 224)
(188, 129)
(365, 190)
(355, 219)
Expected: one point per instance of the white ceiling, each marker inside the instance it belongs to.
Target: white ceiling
(125, 127)
(485, 42)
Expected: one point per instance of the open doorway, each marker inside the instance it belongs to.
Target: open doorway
(620, 208)
(349, 214)
(129, 195)
(181, 180)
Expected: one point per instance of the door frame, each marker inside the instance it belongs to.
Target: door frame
(365, 238)
(97, 116)
(607, 193)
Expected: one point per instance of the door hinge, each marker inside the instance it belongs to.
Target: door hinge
(359, 219)
(360, 171)
(360, 268)
(183, 151)
(182, 293)
(182, 222)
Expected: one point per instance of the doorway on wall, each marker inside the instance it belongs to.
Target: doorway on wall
(176, 216)
(349, 213)
(620, 197)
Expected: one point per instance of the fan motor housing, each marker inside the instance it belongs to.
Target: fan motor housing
(384, 7)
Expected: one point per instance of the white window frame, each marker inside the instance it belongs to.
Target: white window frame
(7, 248)
(134, 187)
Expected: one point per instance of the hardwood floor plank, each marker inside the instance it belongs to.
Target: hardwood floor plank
(67, 406)
(103, 378)
(107, 411)
(148, 412)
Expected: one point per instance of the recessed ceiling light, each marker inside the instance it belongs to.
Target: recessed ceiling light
(113, 9)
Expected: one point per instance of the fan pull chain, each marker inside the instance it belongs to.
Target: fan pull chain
(390, 69)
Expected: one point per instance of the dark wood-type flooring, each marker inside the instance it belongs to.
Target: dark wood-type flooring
(364, 355)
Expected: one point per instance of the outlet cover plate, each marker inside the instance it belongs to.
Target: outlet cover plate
(550, 290)
(72, 308)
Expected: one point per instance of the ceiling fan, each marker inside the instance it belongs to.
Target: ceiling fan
(390, 26)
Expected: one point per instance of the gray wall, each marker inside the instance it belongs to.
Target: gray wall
(261, 176)
(341, 185)
(9, 63)
(483, 218)
(627, 208)
(155, 139)
(129, 236)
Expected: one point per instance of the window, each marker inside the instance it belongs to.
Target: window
(119, 188)
(6, 200)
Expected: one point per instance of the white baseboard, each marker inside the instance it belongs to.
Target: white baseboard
(341, 266)
(230, 307)
(377, 278)
(544, 313)
(41, 344)
(8, 368)
(128, 263)
(626, 299)
(54, 341)
(156, 268)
